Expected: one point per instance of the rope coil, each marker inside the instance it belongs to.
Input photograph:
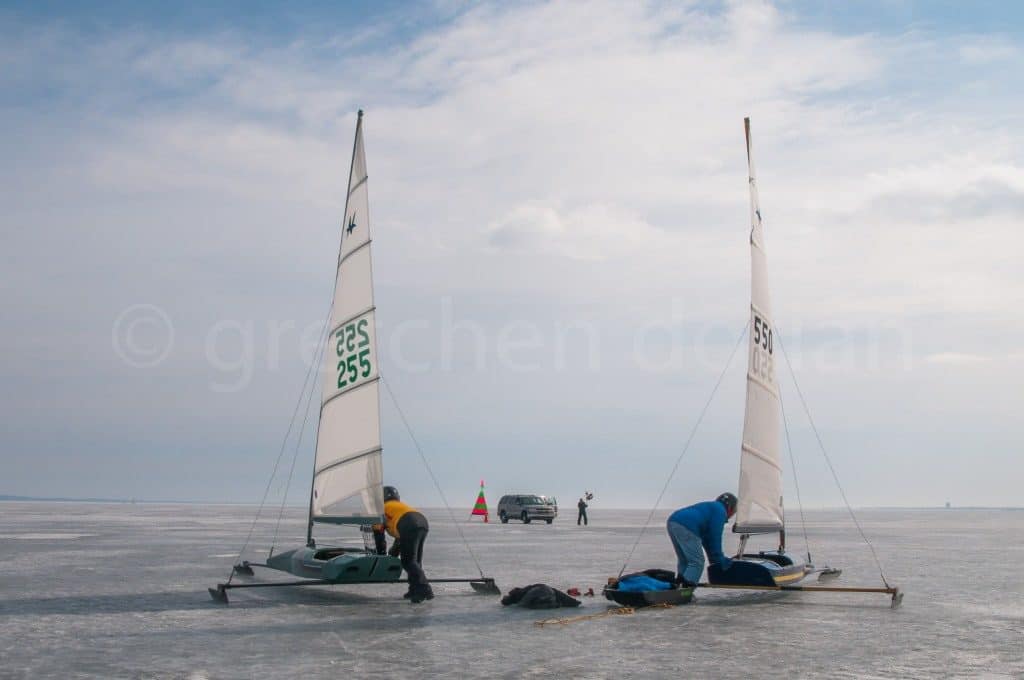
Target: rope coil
(616, 611)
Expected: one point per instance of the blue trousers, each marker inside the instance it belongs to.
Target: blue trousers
(689, 552)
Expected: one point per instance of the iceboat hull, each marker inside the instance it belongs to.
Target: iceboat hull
(761, 569)
(338, 565)
(646, 598)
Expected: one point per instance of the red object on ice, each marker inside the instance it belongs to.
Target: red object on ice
(480, 507)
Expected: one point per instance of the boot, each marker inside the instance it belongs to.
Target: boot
(420, 593)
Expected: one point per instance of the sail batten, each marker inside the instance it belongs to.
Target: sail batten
(763, 384)
(348, 473)
(335, 464)
(350, 388)
(342, 258)
(352, 318)
(347, 519)
(760, 485)
(766, 458)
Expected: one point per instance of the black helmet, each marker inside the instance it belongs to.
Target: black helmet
(391, 494)
(729, 501)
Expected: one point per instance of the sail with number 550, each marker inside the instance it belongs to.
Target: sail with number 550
(760, 487)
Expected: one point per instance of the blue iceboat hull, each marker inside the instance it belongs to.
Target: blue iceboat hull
(338, 565)
(647, 598)
(769, 568)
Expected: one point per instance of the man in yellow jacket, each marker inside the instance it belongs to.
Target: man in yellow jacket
(409, 528)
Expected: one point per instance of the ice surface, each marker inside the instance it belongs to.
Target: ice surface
(43, 537)
(120, 591)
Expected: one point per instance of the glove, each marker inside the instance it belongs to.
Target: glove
(395, 549)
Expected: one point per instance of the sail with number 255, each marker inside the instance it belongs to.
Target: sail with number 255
(348, 477)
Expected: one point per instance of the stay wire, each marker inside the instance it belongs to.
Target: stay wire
(686, 447)
(317, 358)
(796, 482)
(437, 485)
(277, 462)
(828, 460)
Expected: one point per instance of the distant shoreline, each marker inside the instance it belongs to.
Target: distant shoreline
(121, 501)
(139, 501)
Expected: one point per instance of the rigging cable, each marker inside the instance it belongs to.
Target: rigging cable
(280, 453)
(821, 445)
(796, 483)
(437, 485)
(689, 440)
(317, 358)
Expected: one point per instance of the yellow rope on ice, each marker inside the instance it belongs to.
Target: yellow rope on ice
(600, 615)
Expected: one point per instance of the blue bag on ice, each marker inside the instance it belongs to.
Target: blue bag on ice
(638, 583)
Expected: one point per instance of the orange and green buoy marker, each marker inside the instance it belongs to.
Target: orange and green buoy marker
(480, 507)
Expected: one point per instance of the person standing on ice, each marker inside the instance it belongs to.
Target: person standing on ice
(582, 516)
(409, 528)
(697, 528)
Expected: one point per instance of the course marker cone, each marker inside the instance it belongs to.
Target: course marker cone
(480, 507)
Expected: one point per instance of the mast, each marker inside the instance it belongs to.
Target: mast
(347, 470)
(760, 484)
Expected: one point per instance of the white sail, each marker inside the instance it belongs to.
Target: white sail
(348, 475)
(760, 487)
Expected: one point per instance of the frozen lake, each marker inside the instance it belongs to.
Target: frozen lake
(119, 591)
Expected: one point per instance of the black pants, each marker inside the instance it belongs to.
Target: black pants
(413, 529)
(582, 517)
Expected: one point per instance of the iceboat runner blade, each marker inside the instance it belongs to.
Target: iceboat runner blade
(829, 574)
(219, 594)
(244, 568)
(485, 586)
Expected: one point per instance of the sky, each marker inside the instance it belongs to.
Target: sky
(560, 216)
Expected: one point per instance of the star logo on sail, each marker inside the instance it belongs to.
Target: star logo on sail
(351, 224)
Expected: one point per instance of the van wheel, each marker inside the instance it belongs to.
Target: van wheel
(526, 518)
(503, 516)
(549, 521)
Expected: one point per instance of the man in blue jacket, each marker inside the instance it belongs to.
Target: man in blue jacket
(697, 528)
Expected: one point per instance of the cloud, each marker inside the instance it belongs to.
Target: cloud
(593, 232)
(526, 160)
(984, 50)
(955, 358)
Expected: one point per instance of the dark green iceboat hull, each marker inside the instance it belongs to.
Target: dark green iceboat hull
(338, 565)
